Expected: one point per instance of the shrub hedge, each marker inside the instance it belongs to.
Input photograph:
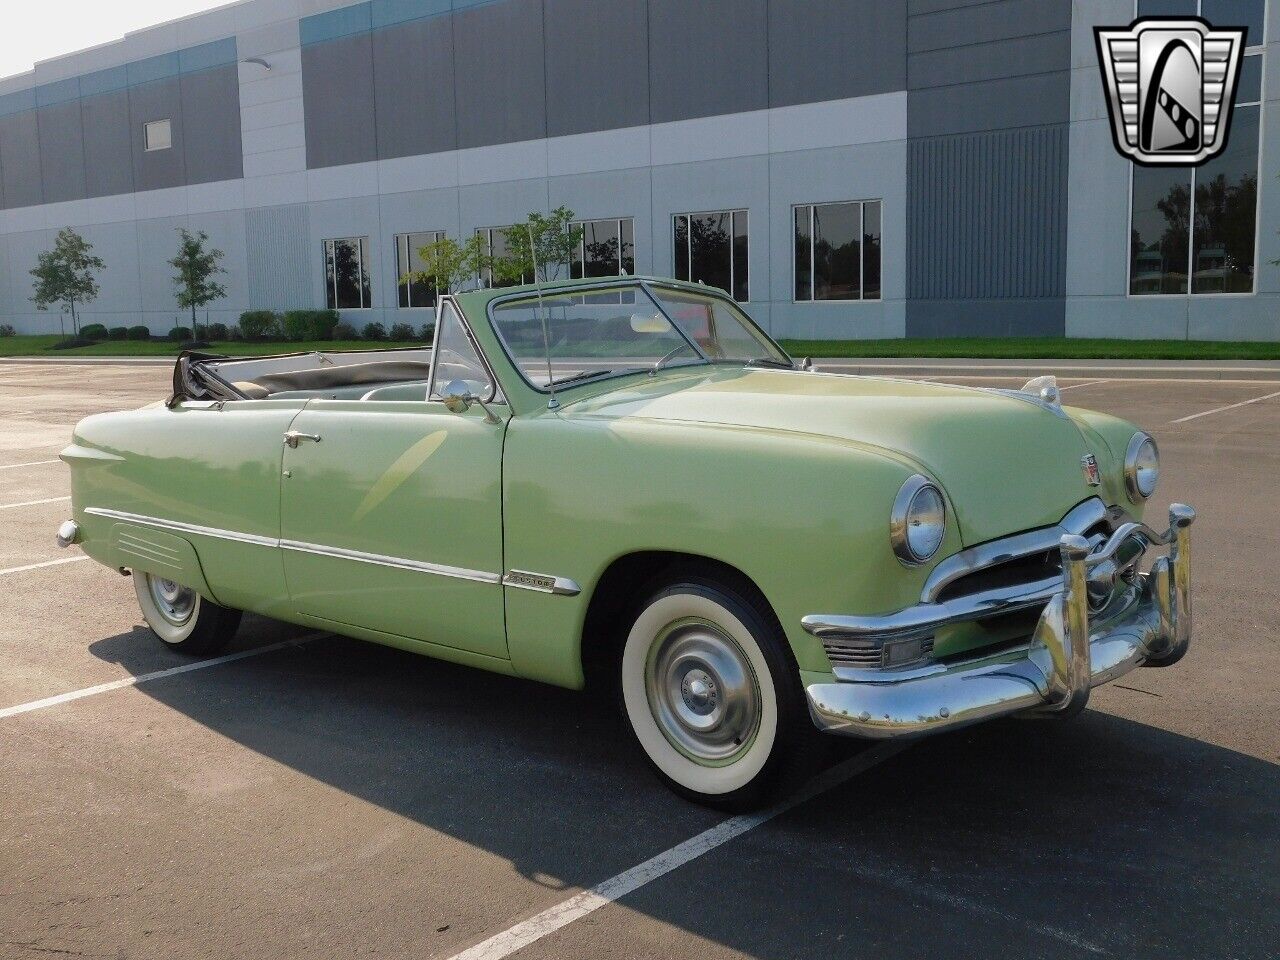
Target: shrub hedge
(180, 333)
(6, 330)
(402, 331)
(139, 333)
(309, 324)
(259, 324)
(374, 331)
(93, 331)
(118, 333)
(215, 331)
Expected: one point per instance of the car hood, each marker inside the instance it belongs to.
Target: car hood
(1006, 463)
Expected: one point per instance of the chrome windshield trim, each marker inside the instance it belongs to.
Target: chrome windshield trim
(397, 563)
(541, 583)
(180, 527)
(1076, 522)
(298, 546)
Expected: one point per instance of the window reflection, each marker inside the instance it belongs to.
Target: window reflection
(415, 292)
(837, 251)
(495, 242)
(1160, 230)
(1226, 201)
(607, 248)
(713, 248)
(346, 263)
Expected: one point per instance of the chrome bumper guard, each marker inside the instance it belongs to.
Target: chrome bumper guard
(1066, 656)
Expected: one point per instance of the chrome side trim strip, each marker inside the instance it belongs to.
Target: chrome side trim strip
(398, 563)
(541, 583)
(179, 527)
(1076, 522)
(297, 546)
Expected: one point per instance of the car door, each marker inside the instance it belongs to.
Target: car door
(391, 509)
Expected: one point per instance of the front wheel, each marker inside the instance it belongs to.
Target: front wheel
(713, 696)
(182, 618)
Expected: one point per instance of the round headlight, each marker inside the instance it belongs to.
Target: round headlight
(1141, 467)
(918, 522)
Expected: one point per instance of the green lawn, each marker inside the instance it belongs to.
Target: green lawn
(994, 348)
(1034, 348)
(38, 346)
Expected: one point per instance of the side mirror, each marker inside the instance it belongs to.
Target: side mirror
(457, 396)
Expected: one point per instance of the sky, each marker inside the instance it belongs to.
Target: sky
(38, 31)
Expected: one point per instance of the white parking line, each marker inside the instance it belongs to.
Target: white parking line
(30, 463)
(47, 563)
(1229, 406)
(1087, 383)
(32, 503)
(53, 701)
(602, 894)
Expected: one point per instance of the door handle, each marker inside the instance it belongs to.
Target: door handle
(293, 437)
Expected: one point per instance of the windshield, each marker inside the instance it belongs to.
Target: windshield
(614, 331)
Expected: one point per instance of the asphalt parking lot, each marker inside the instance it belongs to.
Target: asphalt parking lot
(330, 798)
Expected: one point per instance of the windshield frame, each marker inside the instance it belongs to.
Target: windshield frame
(647, 285)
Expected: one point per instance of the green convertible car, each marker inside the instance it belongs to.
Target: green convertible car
(626, 483)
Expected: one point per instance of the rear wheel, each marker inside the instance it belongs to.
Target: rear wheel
(182, 618)
(713, 696)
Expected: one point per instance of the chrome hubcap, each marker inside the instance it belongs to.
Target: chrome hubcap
(176, 603)
(702, 692)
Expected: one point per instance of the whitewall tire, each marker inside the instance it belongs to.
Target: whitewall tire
(711, 694)
(182, 618)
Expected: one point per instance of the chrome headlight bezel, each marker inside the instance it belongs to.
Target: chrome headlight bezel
(1132, 471)
(900, 520)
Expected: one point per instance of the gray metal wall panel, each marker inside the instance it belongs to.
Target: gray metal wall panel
(990, 105)
(597, 65)
(707, 58)
(413, 88)
(157, 100)
(1020, 56)
(20, 159)
(987, 318)
(984, 23)
(500, 82)
(337, 88)
(61, 152)
(986, 221)
(107, 142)
(211, 140)
(832, 49)
(277, 257)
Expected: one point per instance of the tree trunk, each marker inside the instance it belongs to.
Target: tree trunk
(75, 324)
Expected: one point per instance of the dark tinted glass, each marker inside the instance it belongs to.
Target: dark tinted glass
(710, 249)
(871, 250)
(347, 274)
(629, 245)
(1225, 212)
(740, 289)
(416, 292)
(804, 265)
(680, 244)
(1249, 84)
(1238, 13)
(837, 251)
(1160, 229)
(601, 241)
(1166, 8)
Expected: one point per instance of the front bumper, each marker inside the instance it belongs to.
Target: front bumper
(1066, 656)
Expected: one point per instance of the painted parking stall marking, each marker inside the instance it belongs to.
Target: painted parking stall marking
(32, 503)
(602, 894)
(30, 463)
(124, 682)
(1229, 406)
(37, 566)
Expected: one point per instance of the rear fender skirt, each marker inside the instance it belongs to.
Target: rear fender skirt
(143, 549)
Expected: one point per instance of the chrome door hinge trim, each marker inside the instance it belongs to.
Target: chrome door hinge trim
(541, 583)
(179, 527)
(398, 563)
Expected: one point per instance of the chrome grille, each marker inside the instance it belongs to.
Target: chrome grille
(867, 654)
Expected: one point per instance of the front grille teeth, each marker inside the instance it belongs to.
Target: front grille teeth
(869, 654)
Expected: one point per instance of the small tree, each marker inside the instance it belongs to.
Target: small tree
(65, 275)
(447, 264)
(196, 266)
(555, 240)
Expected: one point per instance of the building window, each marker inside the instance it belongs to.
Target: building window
(837, 251)
(1192, 230)
(346, 273)
(711, 248)
(607, 248)
(495, 247)
(158, 135)
(414, 293)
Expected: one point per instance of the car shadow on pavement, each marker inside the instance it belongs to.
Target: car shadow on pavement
(1101, 836)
